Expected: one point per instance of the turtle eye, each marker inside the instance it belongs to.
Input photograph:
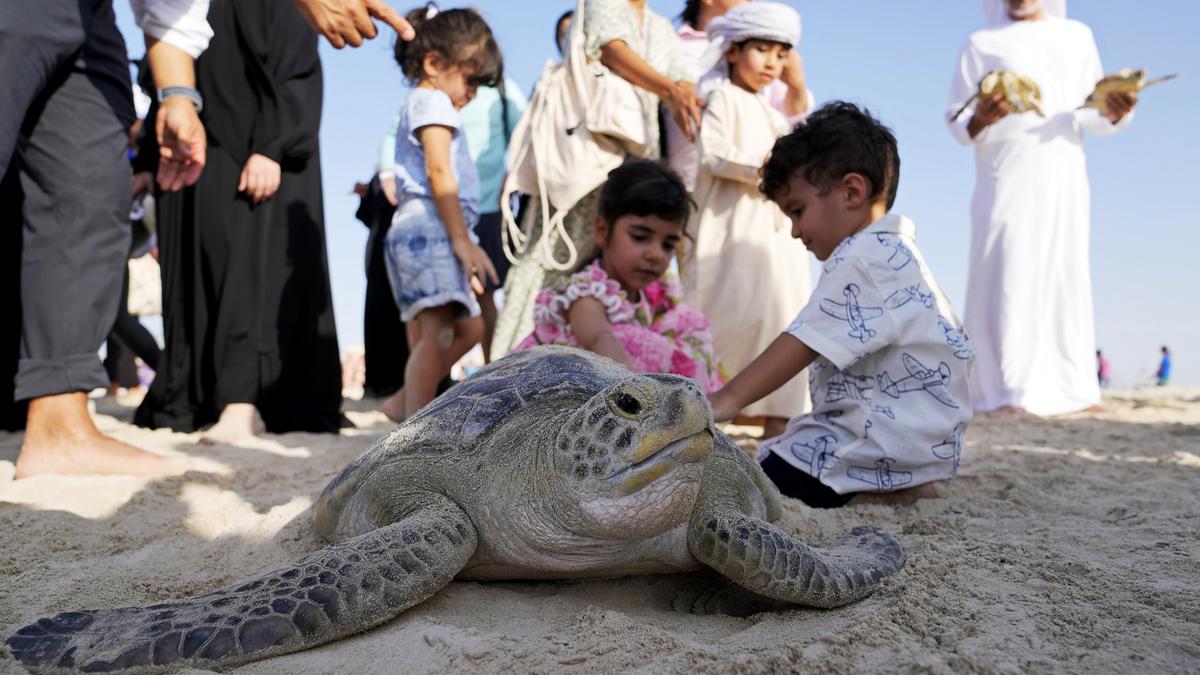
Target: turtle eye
(627, 405)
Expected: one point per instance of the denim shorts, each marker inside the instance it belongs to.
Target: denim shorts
(421, 265)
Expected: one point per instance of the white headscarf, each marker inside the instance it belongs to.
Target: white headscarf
(995, 13)
(748, 21)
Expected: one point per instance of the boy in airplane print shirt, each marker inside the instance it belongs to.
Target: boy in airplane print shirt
(888, 358)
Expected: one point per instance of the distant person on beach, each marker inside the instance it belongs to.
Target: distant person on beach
(1103, 370)
(1163, 374)
(435, 265)
(888, 359)
(1029, 289)
(622, 304)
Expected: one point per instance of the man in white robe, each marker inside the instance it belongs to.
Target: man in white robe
(1029, 296)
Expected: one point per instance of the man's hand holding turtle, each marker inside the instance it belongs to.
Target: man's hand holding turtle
(991, 109)
(1118, 104)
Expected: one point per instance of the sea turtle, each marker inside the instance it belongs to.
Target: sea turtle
(1126, 80)
(550, 463)
(1022, 92)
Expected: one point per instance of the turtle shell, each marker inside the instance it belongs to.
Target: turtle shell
(457, 419)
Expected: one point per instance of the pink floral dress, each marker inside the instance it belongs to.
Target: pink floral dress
(661, 334)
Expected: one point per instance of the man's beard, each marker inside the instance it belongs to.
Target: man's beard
(1025, 10)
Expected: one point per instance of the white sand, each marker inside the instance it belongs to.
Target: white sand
(1065, 545)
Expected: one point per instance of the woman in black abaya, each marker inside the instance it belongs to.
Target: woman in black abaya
(250, 339)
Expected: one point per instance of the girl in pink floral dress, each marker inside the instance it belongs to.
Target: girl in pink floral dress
(620, 305)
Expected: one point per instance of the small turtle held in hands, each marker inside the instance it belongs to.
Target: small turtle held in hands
(1021, 92)
(549, 464)
(1125, 81)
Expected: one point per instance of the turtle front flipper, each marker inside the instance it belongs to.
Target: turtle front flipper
(728, 534)
(337, 591)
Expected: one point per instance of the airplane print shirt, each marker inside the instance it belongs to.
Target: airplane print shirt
(889, 387)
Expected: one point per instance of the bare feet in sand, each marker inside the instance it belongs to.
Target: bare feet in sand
(899, 497)
(393, 406)
(1010, 410)
(61, 438)
(238, 422)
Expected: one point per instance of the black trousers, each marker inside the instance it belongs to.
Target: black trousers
(64, 121)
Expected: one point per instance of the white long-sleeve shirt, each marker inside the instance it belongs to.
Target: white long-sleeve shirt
(179, 23)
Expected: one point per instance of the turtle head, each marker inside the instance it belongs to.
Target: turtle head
(633, 454)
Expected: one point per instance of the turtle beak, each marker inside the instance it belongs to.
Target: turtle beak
(650, 465)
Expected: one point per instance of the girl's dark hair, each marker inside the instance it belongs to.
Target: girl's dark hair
(839, 138)
(569, 14)
(691, 12)
(641, 187)
(460, 36)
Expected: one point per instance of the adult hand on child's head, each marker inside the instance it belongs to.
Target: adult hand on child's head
(349, 22)
(181, 143)
(260, 178)
(793, 70)
(476, 263)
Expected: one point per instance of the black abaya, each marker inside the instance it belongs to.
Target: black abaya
(248, 315)
(384, 341)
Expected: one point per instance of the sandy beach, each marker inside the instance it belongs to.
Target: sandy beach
(1064, 545)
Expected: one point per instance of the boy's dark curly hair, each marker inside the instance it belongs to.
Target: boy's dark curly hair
(460, 36)
(644, 188)
(839, 138)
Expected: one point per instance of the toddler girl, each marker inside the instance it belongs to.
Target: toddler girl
(620, 305)
(433, 261)
(745, 271)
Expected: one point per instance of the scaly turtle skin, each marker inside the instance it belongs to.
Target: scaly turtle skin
(1125, 80)
(551, 463)
(1021, 92)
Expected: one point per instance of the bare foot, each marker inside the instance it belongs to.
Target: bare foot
(899, 497)
(393, 406)
(238, 422)
(1010, 410)
(61, 438)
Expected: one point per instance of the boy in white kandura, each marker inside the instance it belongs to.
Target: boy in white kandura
(889, 359)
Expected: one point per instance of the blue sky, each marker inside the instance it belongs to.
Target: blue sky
(896, 58)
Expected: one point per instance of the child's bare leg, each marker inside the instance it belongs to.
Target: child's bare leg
(426, 358)
(467, 333)
(395, 404)
(487, 308)
(774, 426)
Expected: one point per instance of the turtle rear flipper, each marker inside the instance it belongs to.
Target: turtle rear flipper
(340, 590)
(727, 534)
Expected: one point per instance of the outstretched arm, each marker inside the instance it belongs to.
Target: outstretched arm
(590, 324)
(782, 360)
(349, 22)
